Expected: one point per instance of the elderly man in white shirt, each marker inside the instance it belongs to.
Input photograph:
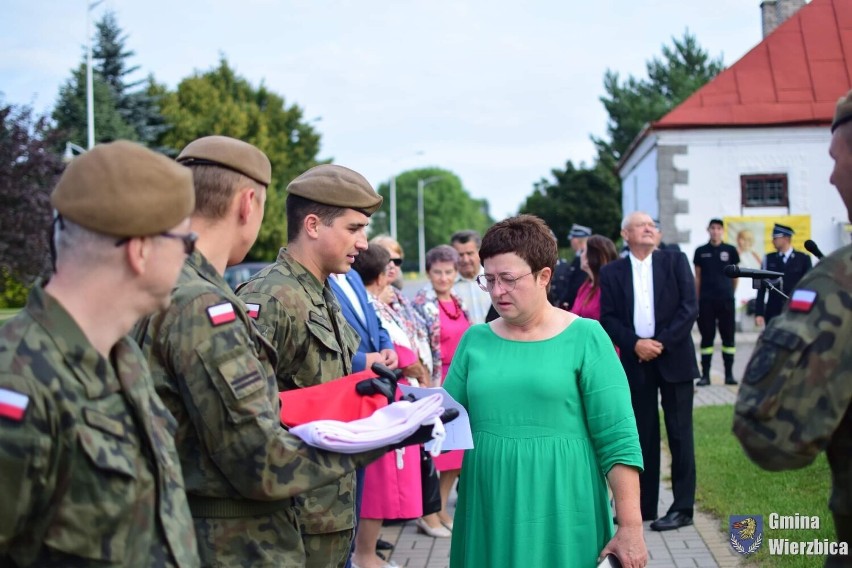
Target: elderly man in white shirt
(476, 301)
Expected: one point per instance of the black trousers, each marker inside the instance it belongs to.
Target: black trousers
(713, 311)
(676, 399)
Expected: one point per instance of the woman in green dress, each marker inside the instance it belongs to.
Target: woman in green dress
(551, 417)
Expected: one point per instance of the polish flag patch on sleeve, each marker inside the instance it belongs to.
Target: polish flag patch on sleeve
(253, 310)
(802, 300)
(13, 404)
(221, 313)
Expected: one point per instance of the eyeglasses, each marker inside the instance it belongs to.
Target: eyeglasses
(188, 239)
(396, 261)
(506, 281)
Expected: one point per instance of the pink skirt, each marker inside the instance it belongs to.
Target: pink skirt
(449, 461)
(390, 492)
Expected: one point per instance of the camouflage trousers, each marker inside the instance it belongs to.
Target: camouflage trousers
(327, 550)
(271, 540)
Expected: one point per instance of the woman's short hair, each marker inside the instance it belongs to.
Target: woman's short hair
(370, 263)
(388, 242)
(442, 253)
(527, 236)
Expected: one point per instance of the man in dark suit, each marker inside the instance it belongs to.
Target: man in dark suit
(648, 308)
(794, 264)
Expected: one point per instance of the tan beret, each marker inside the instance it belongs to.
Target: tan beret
(335, 185)
(228, 153)
(124, 189)
(843, 112)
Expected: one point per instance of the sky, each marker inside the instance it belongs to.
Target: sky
(500, 93)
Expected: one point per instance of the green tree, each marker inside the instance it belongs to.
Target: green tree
(135, 102)
(633, 103)
(29, 168)
(447, 208)
(221, 102)
(578, 195)
(71, 116)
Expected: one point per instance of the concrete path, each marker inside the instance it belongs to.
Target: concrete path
(700, 545)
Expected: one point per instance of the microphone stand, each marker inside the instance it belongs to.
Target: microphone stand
(771, 286)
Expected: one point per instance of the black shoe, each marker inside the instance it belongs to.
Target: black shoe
(671, 521)
(703, 381)
(730, 380)
(383, 545)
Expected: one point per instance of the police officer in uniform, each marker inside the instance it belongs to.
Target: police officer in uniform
(215, 372)
(328, 209)
(89, 475)
(794, 264)
(817, 322)
(567, 278)
(715, 300)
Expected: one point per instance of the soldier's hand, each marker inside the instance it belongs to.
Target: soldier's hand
(424, 433)
(391, 360)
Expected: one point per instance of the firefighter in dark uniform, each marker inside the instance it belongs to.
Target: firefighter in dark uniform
(715, 300)
(794, 264)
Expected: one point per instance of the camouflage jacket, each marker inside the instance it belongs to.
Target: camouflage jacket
(797, 389)
(214, 371)
(300, 316)
(88, 472)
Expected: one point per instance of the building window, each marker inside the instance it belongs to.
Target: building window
(765, 190)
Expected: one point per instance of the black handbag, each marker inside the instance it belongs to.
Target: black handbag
(430, 483)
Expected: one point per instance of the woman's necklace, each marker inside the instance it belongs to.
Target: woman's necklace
(454, 316)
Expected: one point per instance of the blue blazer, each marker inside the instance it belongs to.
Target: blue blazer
(675, 312)
(373, 336)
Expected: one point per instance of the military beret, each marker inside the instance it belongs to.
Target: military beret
(579, 232)
(782, 231)
(228, 153)
(125, 190)
(330, 184)
(843, 111)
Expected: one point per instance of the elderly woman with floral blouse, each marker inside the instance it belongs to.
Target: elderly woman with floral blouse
(447, 320)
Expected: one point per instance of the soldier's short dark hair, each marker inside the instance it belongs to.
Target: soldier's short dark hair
(298, 208)
(527, 236)
(371, 263)
(464, 237)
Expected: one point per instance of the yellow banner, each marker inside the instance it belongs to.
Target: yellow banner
(753, 235)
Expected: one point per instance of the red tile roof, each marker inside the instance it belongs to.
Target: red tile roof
(794, 76)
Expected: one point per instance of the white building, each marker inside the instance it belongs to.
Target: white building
(751, 146)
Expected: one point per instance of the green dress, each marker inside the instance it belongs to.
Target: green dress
(549, 419)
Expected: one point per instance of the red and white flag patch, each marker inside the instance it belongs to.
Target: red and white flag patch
(253, 310)
(802, 300)
(221, 313)
(13, 404)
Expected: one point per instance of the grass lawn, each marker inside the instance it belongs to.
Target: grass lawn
(729, 484)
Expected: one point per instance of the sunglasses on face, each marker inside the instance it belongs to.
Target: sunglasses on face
(188, 239)
(396, 261)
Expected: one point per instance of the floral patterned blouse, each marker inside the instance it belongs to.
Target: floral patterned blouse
(426, 304)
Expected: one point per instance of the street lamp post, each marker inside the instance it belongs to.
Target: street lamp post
(70, 148)
(392, 193)
(421, 226)
(90, 97)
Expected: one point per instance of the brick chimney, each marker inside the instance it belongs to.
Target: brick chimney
(775, 12)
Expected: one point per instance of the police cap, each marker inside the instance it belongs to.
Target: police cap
(579, 232)
(125, 190)
(228, 153)
(780, 230)
(335, 185)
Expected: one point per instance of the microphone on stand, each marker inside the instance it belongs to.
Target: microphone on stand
(734, 271)
(812, 248)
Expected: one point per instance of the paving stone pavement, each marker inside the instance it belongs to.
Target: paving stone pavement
(701, 545)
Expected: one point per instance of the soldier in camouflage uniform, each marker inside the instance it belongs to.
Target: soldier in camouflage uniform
(328, 208)
(215, 373)
(89, 475)
(796, 396)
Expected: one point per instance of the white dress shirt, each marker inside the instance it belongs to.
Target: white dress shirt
(347, 288)
(475, 300)
(643, 296)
